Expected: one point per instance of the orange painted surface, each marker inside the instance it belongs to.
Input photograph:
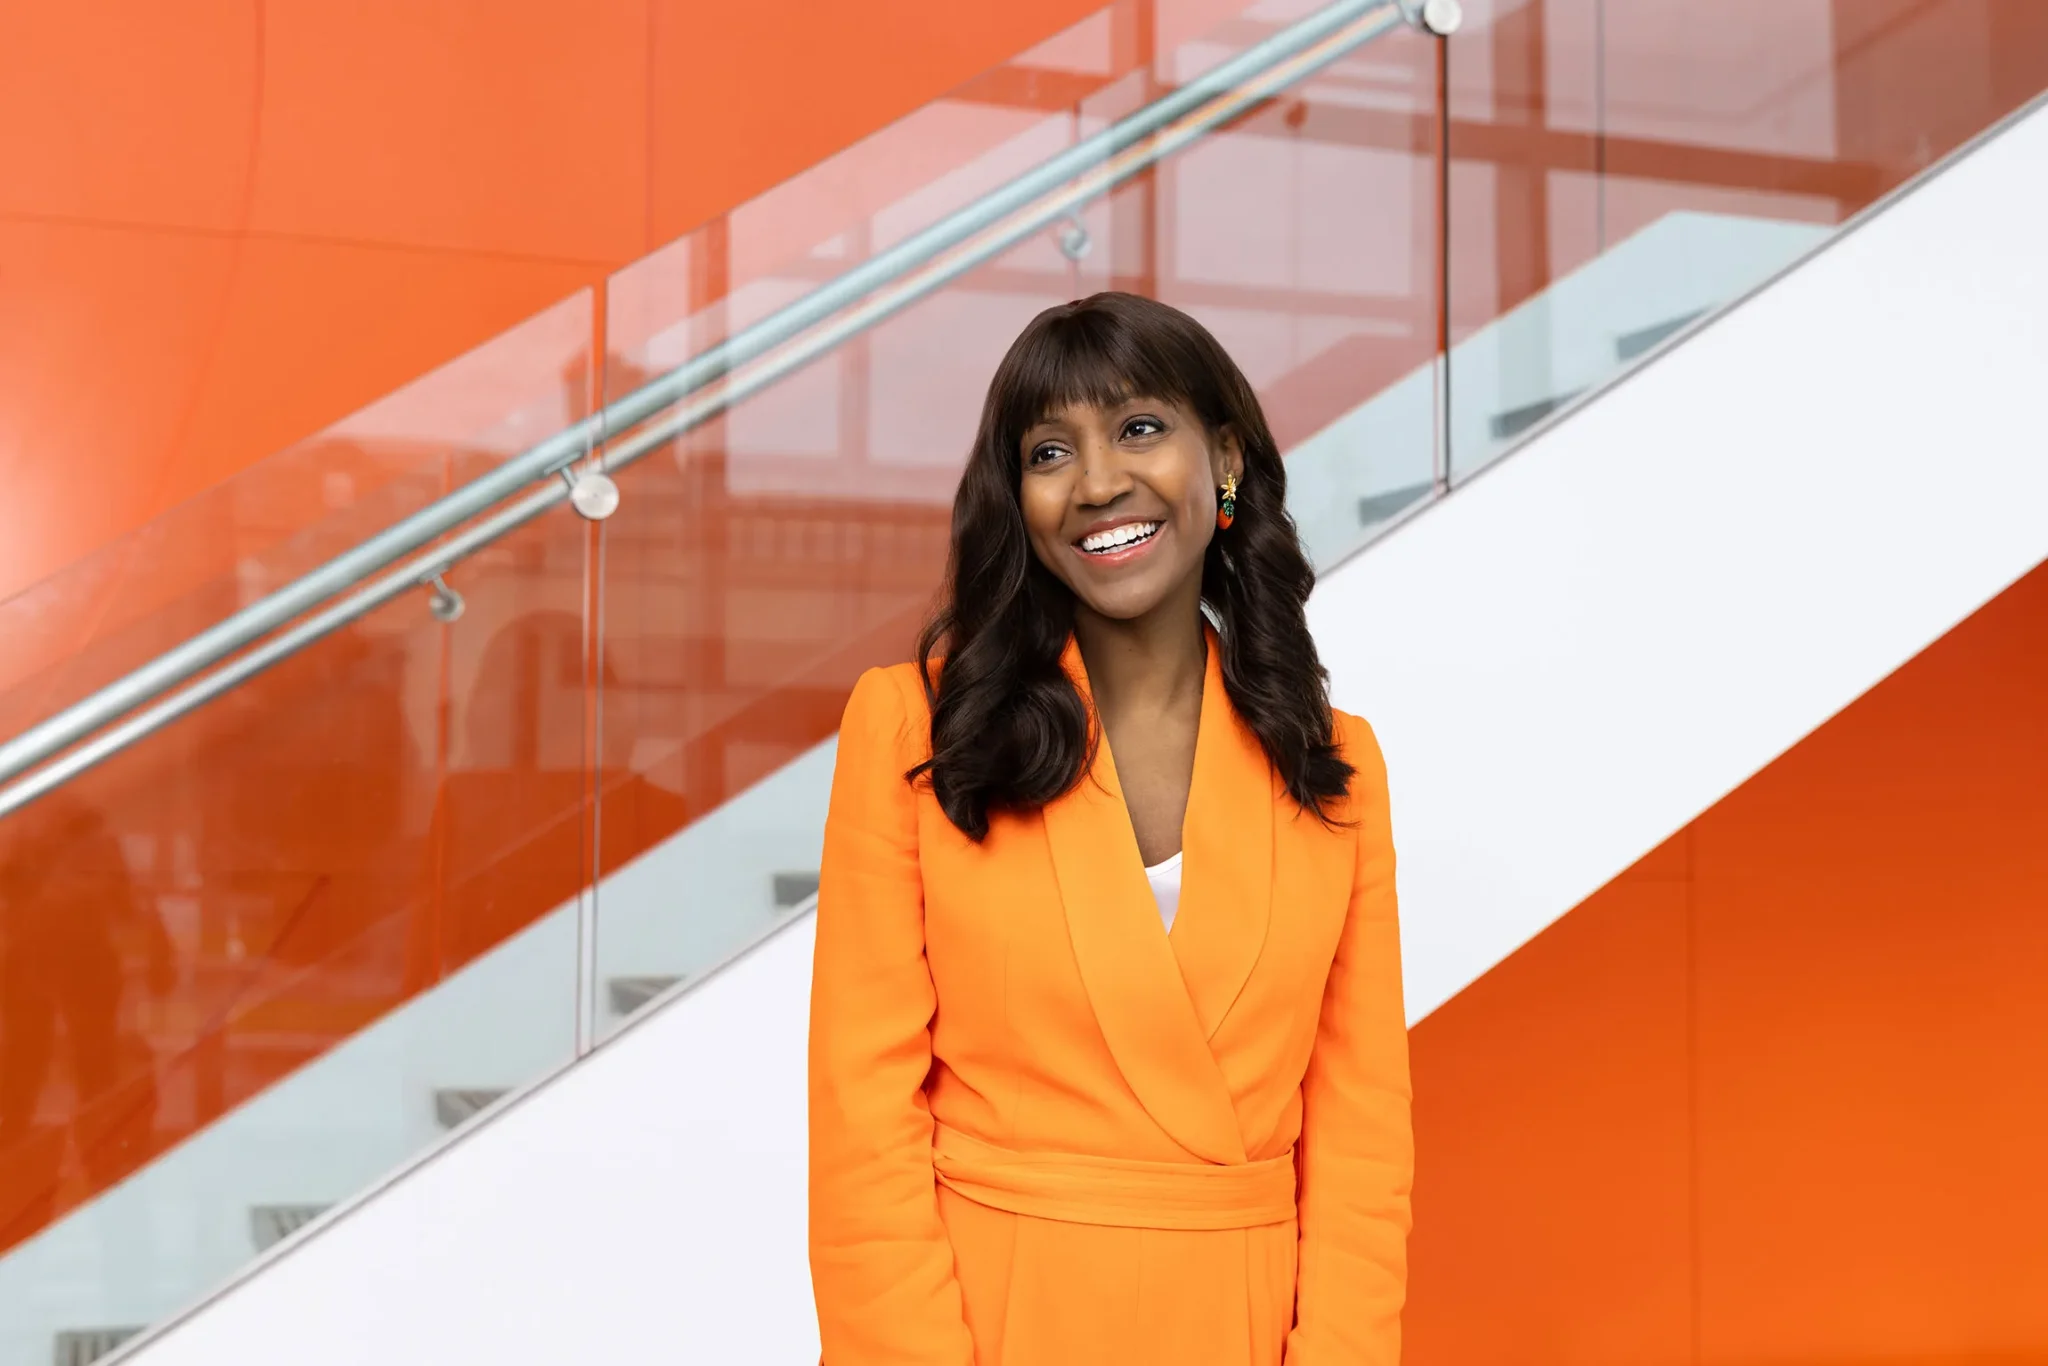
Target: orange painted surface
(225, 225)
(1777, 1093)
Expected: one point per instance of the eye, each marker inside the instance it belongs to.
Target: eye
(1044, 453)
(1137, 428)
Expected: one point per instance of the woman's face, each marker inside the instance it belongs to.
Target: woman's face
(1120, 502)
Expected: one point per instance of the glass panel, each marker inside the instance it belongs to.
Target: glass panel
(1621, 169)
(1306, 236)
(127, 603)
(759, 563)
(262, 957)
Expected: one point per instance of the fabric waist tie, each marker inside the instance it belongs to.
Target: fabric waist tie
(1118, 1192)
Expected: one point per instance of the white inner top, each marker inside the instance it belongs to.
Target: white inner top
(1165, 880)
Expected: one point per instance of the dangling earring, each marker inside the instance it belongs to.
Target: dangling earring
(1227, 514)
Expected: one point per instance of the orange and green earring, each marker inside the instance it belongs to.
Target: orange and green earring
(1227, 513)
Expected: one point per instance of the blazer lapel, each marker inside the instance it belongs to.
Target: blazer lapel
(1127, 966)
(1226, 898)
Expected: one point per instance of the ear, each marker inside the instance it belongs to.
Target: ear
(1226, 456)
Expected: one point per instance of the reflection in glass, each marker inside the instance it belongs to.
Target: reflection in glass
(255, 960)
(1621, 170)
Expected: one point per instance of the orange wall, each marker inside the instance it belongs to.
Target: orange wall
(225, 224)
(1780, 1092)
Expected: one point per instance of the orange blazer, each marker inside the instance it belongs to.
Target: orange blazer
(1046, 1132)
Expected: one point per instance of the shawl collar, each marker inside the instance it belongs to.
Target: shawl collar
(1157, 1001)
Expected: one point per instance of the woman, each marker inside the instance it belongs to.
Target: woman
(1108, 1061)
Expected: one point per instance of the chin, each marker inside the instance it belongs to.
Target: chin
(1123, 606)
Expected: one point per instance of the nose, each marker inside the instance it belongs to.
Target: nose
(1103, 476)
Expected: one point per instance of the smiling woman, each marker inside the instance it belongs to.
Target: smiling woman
(1087, 861)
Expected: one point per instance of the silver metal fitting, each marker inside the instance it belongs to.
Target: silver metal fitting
(1075, 240)
(1439, 17)
(592, 493)
(446, 604)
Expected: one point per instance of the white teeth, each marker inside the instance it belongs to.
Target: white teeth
(1117, 537)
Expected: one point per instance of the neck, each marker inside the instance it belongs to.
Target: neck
(1146, 664)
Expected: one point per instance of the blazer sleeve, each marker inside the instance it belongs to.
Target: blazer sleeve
(1357, 1153)
(881, 1265)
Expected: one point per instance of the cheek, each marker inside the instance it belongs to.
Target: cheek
(1201, 521)
(1186, 482)
(1044, 509)
(1198, 500)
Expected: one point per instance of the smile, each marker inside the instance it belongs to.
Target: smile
(1118, 538)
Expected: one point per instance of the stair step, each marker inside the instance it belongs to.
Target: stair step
(79, 1346)
(1629, 345)
(1376, 508)
(457, 1105)
(270, 1225)
(1515, 421)
(794, 889)
(629, 994)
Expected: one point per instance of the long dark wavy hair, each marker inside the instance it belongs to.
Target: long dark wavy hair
(1010, 731)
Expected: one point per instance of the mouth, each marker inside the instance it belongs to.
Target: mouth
(1119, 543)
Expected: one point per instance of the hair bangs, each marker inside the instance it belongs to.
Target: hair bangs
(1071, 359)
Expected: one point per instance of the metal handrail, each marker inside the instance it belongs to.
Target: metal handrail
(86, 733)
